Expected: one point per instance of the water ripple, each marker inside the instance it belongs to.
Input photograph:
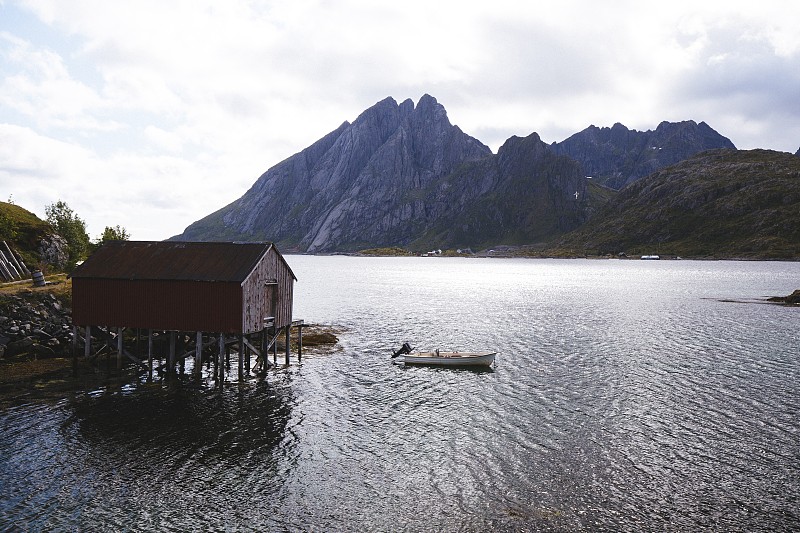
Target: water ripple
(625, 396)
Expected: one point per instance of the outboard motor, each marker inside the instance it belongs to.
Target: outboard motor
(406, 348)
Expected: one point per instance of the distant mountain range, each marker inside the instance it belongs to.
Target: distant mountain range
(402, 175)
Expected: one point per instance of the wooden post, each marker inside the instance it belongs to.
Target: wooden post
(264, 344)
(288, 339)
(198, 353)
(182, 351)
(241, 357)
(171, 359)
(150, 354)
(87, 348)
(299, 342)
(274, 334)
(247, 361)
(119, 348)
(74, 351)
(137, 350)
(215, 359)
(221, 359)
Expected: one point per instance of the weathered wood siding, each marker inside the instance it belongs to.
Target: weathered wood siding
(267, 291)
(156, 304)
(213, 287)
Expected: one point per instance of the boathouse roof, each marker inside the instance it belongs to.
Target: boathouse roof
(230, 287)
(175, 261)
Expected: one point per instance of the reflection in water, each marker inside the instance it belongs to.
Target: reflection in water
(227, 426)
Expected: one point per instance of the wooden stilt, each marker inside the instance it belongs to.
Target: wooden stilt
(247, 358)
(288, 345)
(221, 359)
(299, 342)
(119, 348)
(182, 349)
(198, 353)
(275, 346)
(171, 358)
(74, 351)
(87, 348)
(150, 354)
(208, 361)
(215, 360)
(241, 357)
(263, 343)
(137, 350)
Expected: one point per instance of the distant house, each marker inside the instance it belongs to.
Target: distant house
(223, 287)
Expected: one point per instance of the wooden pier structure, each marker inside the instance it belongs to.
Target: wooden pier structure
(186, 300)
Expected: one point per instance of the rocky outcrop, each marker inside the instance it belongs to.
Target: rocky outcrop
(36, 324)
(53, 250)
(361, 185)
(617, 156)
(792, 299)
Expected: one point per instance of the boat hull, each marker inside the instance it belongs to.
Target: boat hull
(483, 359)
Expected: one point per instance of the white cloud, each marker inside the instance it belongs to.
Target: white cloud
(153, 114)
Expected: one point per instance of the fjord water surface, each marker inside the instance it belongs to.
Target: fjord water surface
(626, 395)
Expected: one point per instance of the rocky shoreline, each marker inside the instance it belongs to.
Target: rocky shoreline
(792, 299)
(35, 324)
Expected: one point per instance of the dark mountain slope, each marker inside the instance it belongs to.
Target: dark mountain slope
(721, 203)
(526, 194)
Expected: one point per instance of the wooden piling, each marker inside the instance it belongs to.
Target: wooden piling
(299, 342)
(198, 353)
(119, 348)
(241, 357)
(247, 359)
(221, 359)
(288, 343)
(150, 354)
(171, 357)
(87, 348)
(74, 351)
(274, 335)
(182, 351)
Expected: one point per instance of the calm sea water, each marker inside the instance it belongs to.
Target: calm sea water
(626, 396)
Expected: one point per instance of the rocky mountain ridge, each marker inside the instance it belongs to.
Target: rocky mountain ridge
(618, 156)
(403, 175)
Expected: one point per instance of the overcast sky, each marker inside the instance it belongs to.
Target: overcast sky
(153, 114)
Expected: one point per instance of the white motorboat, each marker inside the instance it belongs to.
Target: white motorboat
(439, 358)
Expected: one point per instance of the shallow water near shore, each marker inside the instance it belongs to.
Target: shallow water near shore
(626, 395)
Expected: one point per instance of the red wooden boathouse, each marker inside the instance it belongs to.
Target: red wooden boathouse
(228, 288)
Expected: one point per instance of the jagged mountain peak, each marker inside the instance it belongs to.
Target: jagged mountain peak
(618, 156)
(361, 184)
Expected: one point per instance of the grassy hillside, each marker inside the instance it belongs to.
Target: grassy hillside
(22, 230)
(721, 203)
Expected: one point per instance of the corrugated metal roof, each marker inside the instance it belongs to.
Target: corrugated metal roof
(170, 260)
